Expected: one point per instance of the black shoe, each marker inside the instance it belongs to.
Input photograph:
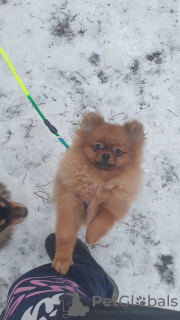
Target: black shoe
(50, 245)
(80, 253)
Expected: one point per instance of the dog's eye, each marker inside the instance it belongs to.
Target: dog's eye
(117, 151)
(98, 147)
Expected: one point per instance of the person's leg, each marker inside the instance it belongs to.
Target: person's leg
(42, 288)
(86, 271)
(37, 293)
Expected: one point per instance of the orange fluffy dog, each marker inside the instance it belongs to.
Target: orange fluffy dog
(96, 183)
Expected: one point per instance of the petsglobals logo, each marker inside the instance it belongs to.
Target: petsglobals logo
(126, 301)
(74, 308)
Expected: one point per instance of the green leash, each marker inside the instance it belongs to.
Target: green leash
(46, 122)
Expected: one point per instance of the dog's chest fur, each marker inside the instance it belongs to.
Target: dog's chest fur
(83, 182)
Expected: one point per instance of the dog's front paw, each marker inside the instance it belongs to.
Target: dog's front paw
(62, 265)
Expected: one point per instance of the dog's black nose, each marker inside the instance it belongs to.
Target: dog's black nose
(105, 157)
(25, 212)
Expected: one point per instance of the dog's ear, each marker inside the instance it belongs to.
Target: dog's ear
(135, 129)
(91, 120)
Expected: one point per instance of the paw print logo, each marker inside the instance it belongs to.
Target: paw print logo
(141, 301)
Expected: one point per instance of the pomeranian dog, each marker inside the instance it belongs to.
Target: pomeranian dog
(11, 213)
(98, 178)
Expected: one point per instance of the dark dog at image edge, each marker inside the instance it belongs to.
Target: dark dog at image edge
(11, 213)
(97, 180)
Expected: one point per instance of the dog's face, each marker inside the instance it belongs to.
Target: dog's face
(11, 213)
(108, 146)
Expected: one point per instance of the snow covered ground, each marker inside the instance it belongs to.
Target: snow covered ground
(122, 58)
